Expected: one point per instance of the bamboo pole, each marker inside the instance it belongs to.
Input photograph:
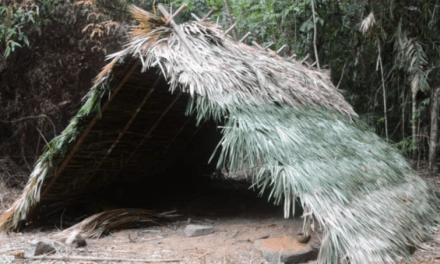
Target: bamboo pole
(178, 30)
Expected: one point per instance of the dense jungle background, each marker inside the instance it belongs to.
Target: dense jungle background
(383, 54)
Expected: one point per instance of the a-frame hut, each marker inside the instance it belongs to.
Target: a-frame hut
(284, 123)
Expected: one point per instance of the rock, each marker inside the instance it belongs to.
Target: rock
(41, 246)
(76, 240)
(285, 249)
(198, 230)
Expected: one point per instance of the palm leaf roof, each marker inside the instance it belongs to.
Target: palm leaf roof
(285, 123)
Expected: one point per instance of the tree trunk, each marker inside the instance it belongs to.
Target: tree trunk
(231, 20)
(403, 114)
(435, 103)
(414, 129)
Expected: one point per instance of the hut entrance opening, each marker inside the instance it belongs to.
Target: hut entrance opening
(144, 152)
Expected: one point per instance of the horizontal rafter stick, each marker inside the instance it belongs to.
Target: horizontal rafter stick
(270, 44)
(307, 56)
(67, 258)
(291, 57)
(257, 45)
(213, 9)
(282, 47)
(229, 30)
(174, 16)
(195, 17)
(179, 31)
(244, 37)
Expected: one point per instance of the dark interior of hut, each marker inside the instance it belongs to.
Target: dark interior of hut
(160, 163)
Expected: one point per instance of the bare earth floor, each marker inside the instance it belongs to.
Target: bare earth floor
(232, 240)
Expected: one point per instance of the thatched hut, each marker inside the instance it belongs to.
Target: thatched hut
(285, 124)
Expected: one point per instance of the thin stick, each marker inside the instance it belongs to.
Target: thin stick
(244, 37)
(229, 30)
(282, 47)
(195, 17)
(342, 75)
(184, 5)
(291, 57)
(313, 64)
(305, 58)
(213, 9)
(66, 258)
(179, 31)
(314, 35)
(268, 45)
(225, 2)
(256, 44)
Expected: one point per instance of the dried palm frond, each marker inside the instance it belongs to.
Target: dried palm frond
(147, 21)
(102, 223)
(367, 23)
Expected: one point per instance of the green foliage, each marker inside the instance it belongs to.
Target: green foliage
(12, 23)
(406, 146)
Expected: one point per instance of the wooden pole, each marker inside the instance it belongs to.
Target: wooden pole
(225, 2)
(229, 30)
(268, 45)
(244, 37)
(214, 9)
(305, 58)
(291, 57)
(282, 47)
(435, 106)
(257, 45)
(314, 34)
(178, 30)
(184, 5)
(195, 17)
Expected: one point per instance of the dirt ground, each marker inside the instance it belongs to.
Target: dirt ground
(232, 240)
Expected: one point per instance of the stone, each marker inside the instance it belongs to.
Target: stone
(285, 249)
(41, 247)
(198, 230)
(76, 240)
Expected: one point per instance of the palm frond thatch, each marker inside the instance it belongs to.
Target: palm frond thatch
(285, 123)
(102, 223)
